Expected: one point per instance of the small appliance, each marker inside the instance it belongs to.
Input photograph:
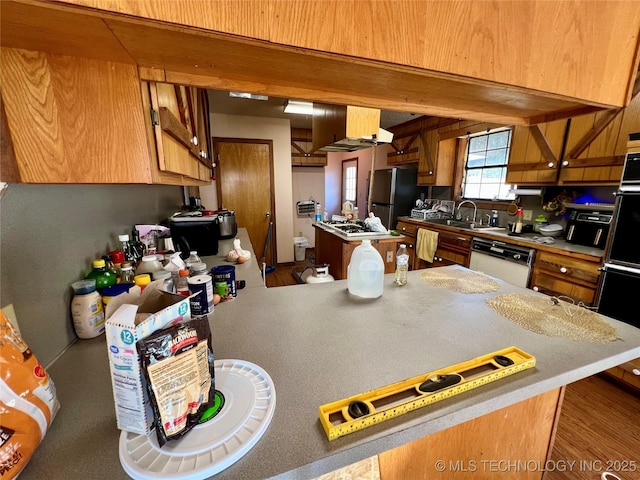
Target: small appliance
(588, 228)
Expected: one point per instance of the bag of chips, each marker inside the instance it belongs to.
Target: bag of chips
(178, 364)
(28, 401)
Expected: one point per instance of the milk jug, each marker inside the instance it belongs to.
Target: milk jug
(365, 273)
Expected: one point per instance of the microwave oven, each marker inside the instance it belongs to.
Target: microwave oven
(195, 233)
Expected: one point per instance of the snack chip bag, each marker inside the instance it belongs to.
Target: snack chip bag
(179, 366)
(28, 401)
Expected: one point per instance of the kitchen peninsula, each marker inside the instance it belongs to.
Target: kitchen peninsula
(334, 247)
(319, 345)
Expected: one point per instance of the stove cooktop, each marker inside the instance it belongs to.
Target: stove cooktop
(349, 229)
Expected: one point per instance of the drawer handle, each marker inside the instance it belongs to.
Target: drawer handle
(404, 229)
(563, 269)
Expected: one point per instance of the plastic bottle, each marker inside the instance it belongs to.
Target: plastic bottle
(318, 212)
(168, 285)
(117, 256)
(493, 221)
(193, 258)
(365, 273)
(110, 266)
(198, 269)
(142, 280)
(86, 309)
(149, 264)
(517, 228)
(126, 273)
(182, 286)
(402, 265)
(101, 275)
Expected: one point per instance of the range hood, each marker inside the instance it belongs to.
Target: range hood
(340, 128)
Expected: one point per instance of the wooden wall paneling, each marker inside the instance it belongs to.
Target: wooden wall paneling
(74, 120)
(522, 432)
(630, 124)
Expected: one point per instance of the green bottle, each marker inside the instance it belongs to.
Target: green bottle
(101, 275)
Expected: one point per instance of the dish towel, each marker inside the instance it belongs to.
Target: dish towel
(426, 244)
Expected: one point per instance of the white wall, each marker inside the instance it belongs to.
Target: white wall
(279, 132)
(333, 177)
(308, 182)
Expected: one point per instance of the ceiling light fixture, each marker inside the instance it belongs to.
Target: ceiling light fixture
(251, 96)
(301, 108)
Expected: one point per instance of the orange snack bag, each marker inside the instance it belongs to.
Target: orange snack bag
(28, 401)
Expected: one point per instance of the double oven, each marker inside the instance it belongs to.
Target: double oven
(619, 289)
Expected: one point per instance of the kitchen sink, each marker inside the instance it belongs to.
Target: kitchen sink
(462, 224)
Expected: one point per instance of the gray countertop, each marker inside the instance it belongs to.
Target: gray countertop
(319, 345)
(559, 245)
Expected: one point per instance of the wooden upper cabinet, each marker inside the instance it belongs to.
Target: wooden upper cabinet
(74, 120)
(406, 144)
(177, 132)
(302, 152)
(245, 18)
(515, 63)
(561, 41)
(596, 145)
(418, 141)
(535, 153)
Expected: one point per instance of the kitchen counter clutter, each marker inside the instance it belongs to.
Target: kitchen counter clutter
(525, 239)
(558, 269)
(320, 345)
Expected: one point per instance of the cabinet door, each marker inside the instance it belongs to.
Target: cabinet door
(181, 154)
(302, 152)
(563, 275)
(596, 145)
(74, 120)
(535, 153)
(406, 144)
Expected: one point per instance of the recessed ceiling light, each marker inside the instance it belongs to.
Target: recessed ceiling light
(296, 106)
(251, 96)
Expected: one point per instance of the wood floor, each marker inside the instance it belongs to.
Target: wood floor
(598, 430)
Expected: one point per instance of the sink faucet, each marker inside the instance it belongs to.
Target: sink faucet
(475, 209)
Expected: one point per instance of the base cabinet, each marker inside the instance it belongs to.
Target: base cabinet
(562, 275)
(453, 248)
(627, 374)
(336, 252)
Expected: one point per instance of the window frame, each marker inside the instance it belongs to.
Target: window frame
(467, 169)
(461, 160)
(345, 167)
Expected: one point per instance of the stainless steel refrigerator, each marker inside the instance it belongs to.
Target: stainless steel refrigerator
(393, 194)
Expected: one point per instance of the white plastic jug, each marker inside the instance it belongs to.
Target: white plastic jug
(365, 273)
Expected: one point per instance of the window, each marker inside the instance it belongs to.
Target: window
(485, 170)
(349, 180)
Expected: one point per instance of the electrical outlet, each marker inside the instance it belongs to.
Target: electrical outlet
(527, 214)
(389, 256)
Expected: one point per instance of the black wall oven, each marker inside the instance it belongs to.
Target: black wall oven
(620, 280)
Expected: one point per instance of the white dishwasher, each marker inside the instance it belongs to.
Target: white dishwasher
(505, 261)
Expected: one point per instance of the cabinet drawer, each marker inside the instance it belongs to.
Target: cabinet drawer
(548, 284)
(408, 229)
(580, 272)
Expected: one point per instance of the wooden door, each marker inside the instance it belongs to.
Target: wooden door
(245, 185)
